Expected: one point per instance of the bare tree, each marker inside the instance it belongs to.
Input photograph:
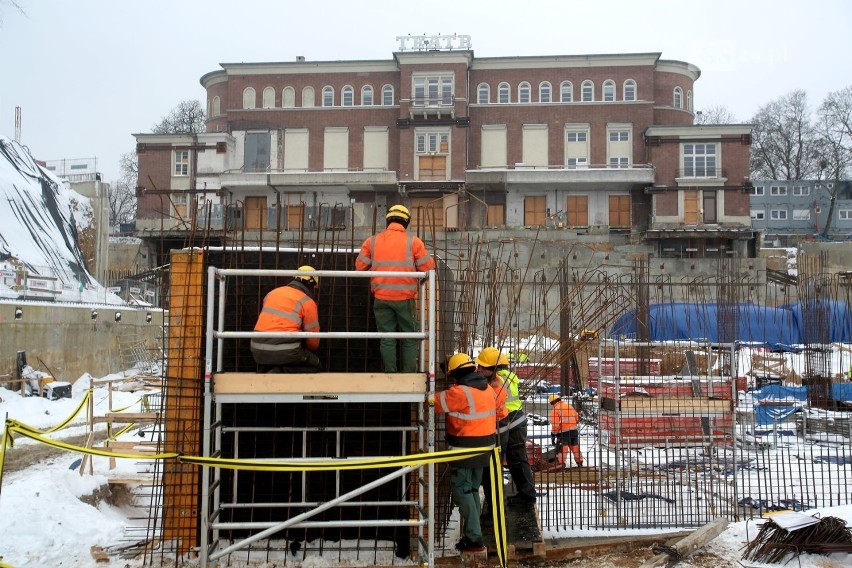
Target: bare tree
(186, 118)
(122, 192)
(783, 140)
(14, 5)
(834, 145)
(715, 114)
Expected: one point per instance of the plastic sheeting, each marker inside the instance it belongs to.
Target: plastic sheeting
(772, 326)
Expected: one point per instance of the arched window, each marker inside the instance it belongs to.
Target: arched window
(544, 92)
(678, 98)
(347, 96)
(308, 97)
(566, 92)
(366, 95)
(216, 107)
(503, 93)
(608, 91)
(328, 96)
(588, 91)
(268, 97)
(249, 98)
(524, 92)
(630, 90)
(483, 94)
(288, 97)
(689, 101)
(387, 95)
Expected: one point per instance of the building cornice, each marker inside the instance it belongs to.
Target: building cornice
(679, 67)
(567, 61)
(700, 131)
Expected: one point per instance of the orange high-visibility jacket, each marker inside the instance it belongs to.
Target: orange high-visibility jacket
(501, 391)
(563, 417)
(394, 250)
(288, 308)
(470, 411)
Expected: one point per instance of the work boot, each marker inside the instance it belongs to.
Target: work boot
(467, 545)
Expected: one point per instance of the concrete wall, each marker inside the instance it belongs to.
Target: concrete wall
(69, 342)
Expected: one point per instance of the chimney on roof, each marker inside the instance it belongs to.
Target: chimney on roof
(300, 58)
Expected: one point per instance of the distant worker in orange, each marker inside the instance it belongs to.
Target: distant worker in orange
(290, 308)
(470, 408)
(395, 250)
(564, 421)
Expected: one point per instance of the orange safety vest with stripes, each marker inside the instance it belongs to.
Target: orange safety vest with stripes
(502, 394)
(470, 413)
(289, 308)
(394, 250)
(563, 417)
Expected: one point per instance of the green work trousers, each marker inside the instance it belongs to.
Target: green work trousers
(466, 482)
(397, 316)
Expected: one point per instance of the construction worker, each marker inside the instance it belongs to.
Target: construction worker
(564, 421)
(515, 424)
(471, 409)
(486, 365)
(394, 250)
(290, 308)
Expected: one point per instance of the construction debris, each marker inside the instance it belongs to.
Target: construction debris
(669, 555)
(777, 540)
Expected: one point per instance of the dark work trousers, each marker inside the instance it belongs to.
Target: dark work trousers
(518, 461)
(397, 316)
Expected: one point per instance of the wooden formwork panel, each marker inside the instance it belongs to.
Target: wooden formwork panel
(319, 383)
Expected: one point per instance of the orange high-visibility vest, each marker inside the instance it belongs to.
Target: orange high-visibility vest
(394, 250)
(501, 391)
(563, 417)
(470, 412)
(288, 308)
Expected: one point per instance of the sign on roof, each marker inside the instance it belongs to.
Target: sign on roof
(433, 42)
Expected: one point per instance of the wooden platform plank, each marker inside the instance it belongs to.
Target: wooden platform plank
(319, 383)
(129, 417)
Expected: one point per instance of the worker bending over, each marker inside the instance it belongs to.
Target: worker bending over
(290, 308)
(564, 421)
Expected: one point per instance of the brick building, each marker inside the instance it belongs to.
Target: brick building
(590, 144)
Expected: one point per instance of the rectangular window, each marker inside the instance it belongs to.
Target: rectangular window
(801, 190)
(757, 190)
(579, 163)
(432, 149)
(433, 90)
(619, 162)
(699, 160)
(577, 137)
(577, 145)
(181, 163)
(256, 152)
(778, 190)
(619, 135)
(844, 214)
(758, 215)
(801, 214)
(778, 214)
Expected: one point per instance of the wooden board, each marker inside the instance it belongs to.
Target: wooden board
(668, 405)
(318, 383)
(129, 417)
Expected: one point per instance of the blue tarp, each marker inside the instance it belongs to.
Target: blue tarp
(776, 327)
(767, 414)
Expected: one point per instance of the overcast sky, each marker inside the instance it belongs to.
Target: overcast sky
(87, 74)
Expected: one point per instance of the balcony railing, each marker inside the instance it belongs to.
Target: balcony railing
(445, 100)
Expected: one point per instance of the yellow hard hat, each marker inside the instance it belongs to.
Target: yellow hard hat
(488, 357)
(398, 212)
(308, 279)
(553, 398)
(459, 361)
(502, 360)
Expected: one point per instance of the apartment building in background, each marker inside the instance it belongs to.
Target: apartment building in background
(785, 212)
(578, 145)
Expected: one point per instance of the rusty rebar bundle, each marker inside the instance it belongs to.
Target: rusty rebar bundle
(773, 543)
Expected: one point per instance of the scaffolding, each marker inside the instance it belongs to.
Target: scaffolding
(225, 530)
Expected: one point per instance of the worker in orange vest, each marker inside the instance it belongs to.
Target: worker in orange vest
(486, 365)
(290, 308)
(394, 250)
(471, 408)
(564, 421)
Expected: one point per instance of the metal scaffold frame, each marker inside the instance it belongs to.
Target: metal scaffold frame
(420, 435)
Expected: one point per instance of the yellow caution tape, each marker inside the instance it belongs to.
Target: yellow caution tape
(84, 450)
(59, 426)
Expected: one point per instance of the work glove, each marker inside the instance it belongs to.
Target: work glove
(430, 399)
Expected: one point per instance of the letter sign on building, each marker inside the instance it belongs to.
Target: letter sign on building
(433, 42)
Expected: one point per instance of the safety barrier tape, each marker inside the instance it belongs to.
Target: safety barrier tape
(59, 426)
(495, 469)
